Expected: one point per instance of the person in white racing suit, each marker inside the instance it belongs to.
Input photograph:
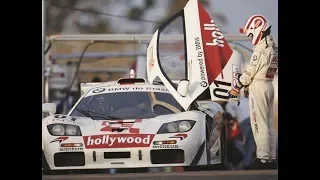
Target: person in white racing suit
(258, 76)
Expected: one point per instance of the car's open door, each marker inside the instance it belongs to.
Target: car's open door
(210, 64)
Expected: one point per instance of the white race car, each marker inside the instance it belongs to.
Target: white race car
(117, 125)
(133, 122)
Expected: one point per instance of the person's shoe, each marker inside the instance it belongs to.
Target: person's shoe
(272, 164)
(258, 164)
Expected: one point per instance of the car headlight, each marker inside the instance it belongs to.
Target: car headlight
(71, 130)
(64, 130)
(176, 127)
(58, 130)
(185, 126)
(172, 127)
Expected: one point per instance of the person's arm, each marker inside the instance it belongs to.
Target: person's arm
(246, 78)
(252, 69)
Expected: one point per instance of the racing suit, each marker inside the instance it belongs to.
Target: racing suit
(259, 75)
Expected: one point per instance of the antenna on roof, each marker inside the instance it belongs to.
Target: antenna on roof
(132, 73)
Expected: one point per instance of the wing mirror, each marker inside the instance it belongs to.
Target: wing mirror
(183, 87)
(49, 108)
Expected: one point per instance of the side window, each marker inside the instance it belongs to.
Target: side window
(168, 98)
(172, 51)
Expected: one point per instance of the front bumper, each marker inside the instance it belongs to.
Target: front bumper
(187, 151)
(118, 158)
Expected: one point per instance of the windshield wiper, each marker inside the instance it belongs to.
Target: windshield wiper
(104, 116)
(111, 117)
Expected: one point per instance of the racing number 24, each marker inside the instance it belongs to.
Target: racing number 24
(220, 90)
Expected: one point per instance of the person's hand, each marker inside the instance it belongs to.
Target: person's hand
(234, 92)
(233, 95)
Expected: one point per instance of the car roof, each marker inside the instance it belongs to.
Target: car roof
(84, 87)
(128, 85)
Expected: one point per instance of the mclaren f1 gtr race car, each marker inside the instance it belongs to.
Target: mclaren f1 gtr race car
(121, 125)
(153, 122)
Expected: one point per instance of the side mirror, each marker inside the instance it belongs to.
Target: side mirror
(49, 108)
(183, 87)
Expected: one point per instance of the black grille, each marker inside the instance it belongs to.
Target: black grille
(167, 156)
(116, 155)
(64, 159)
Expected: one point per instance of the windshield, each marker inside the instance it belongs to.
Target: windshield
(127, 105)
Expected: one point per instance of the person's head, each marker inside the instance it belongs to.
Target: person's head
(257, 27)
(228, 116)
(229, 119)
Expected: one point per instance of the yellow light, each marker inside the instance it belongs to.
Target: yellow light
(165, 142)
(71, 145)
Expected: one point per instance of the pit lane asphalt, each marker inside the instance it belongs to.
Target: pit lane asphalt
(194, 175)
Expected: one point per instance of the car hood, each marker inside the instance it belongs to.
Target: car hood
(143, 126)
